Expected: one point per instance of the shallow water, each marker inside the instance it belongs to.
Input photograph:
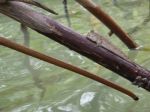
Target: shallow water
(41, 87)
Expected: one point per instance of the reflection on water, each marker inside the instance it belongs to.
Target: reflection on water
(36, 86)
(86, 98)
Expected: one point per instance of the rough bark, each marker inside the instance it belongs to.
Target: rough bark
(67, 37)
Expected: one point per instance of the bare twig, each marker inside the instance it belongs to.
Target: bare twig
(51, 60)
(65, 2)
(33, 2)
(108, 21)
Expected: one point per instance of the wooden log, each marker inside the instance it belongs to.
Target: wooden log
(67, 37)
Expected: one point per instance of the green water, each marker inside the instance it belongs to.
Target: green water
(42, 87)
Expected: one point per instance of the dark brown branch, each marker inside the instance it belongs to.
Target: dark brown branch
(108, 21)
(51, 60)
(65, 36)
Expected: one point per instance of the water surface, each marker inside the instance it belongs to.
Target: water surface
(41, 87)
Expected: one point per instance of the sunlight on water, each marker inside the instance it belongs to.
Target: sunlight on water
(31, 85)
(86, 98)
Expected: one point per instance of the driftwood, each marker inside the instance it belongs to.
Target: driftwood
(108, 21)
(67, 37)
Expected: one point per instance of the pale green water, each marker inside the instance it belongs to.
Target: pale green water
(46, 88)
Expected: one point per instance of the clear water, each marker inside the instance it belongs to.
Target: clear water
(42, 87)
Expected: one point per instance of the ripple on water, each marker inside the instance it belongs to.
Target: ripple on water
(69, 108)
(2, 86)
(22, 108)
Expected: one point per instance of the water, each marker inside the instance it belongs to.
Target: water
(41, 87)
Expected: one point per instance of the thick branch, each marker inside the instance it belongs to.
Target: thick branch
(50, 28)
(108, 21)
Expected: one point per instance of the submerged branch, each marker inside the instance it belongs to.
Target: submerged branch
(65, 3)
(35, 73)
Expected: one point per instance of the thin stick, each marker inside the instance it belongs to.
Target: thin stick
(51, 60)
(65, 2)
(34, 2)
(108, 21)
